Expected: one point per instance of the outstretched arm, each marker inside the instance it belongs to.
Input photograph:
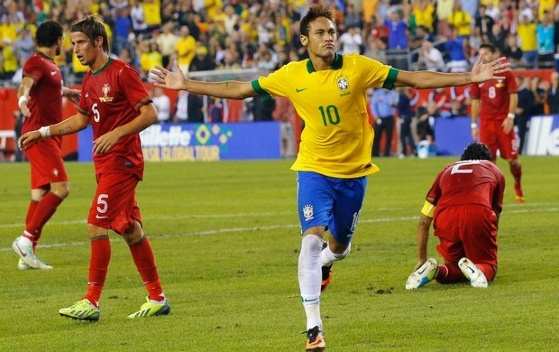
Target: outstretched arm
(71, 125)
(176, 80)
(427, 79)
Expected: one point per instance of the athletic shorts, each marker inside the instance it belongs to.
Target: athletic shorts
(114, 206)
(333, 203)
(467, 231)
(491, 134)
(46, 164)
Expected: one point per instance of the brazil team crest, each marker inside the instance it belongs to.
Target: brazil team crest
(308, 212)
(343, 83)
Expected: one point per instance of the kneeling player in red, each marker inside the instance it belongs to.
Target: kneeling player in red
(465, 202)
(115, 102)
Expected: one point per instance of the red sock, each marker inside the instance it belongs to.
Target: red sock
(145, 263)
(98, 267)
(516, 171)
(41, 214)
(449, 273)
(30, 211)
(488, 270)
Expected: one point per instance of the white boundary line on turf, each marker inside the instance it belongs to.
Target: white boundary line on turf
(273, 227)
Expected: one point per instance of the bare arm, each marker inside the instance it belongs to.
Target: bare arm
(422, 238)
(23, 94)
(147, 117)
(475, 118)
(72, 94)
(71, 125)
(176, 80)
(508, 123)
(427, 79)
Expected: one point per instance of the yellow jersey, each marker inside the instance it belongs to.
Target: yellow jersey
(337, 138)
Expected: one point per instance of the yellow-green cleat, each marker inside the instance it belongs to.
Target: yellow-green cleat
(152, 308)
(81, 310)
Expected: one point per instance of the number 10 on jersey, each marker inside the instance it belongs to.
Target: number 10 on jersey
(330, 115)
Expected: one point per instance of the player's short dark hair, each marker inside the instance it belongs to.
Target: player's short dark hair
(476, 151)
(489, 47)
(93, 27)
(314, 13)
(48, 33)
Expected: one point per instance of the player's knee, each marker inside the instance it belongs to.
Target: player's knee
(316, 230)
(96, 232)
(37, 194)
(61, 189)
(311, 244)
(134, 234)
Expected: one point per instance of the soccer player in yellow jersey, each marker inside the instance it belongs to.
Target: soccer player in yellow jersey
(328, 91)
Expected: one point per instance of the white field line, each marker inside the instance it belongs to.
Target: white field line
(273, 227)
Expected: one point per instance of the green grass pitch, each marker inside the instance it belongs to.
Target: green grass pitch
(226, 240)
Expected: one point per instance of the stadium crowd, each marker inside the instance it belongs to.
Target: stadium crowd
(201, 35)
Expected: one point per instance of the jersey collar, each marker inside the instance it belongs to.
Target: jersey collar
(337, 63)
(102, 67)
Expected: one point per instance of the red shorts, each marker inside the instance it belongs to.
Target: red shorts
(114, 206)
(491, 134)
(467, 231)
(46, 164)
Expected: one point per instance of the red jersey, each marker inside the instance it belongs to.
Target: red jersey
(111, 97)
(469, 182)
(45, 104)
(494, 96)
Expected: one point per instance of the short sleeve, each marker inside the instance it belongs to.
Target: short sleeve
(83, 108)
(474, 91)
(276, 83)
(434, 193)
(33, 68)
(512, 87)
(133, 87)
(376, 74)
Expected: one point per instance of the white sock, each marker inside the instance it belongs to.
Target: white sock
(327, 257)
(310, 277)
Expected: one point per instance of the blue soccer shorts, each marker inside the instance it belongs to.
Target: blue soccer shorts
(333, 203)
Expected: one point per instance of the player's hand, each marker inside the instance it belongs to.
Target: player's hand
(482, 72)
(164, 78)
(28, 139)
(72, 94)
(104, 143)
(507, 125)
(22, 103)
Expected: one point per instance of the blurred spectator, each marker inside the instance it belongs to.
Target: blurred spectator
(137, 16)
(382, 105)
(150, 56)
(484, 22)
(351, 41)
(545, 32)
(430, 57)
(498, 37)
(167, 42)
(528, 43)
(525, 109)
(461, 20)
(424, 126)
(423, 11)
(513, 51)
(122, 29)
(202, 61)
(24, 46)
(455, 48)
(406, 100)
(185, 48)
(397, 30)
(440, 102)
(162, 104)
(553, 94)
(539, 96)
(263, 107)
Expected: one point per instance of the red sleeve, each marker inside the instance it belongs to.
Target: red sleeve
(474, 91)
(133, 87)
(499, 192)
(33, 68)
(434, 193)
(512, 87)
(83, 108)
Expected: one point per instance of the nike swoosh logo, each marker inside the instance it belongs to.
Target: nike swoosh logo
(472, 270)
(20, 251)
(299, 90)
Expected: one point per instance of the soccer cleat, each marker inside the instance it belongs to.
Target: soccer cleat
(81, 310)
(423, 275)
(22, 266)
(23, 247)
(315, 340)
(471, 272)
(152, 308)
(326, 277)
(519, 199)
